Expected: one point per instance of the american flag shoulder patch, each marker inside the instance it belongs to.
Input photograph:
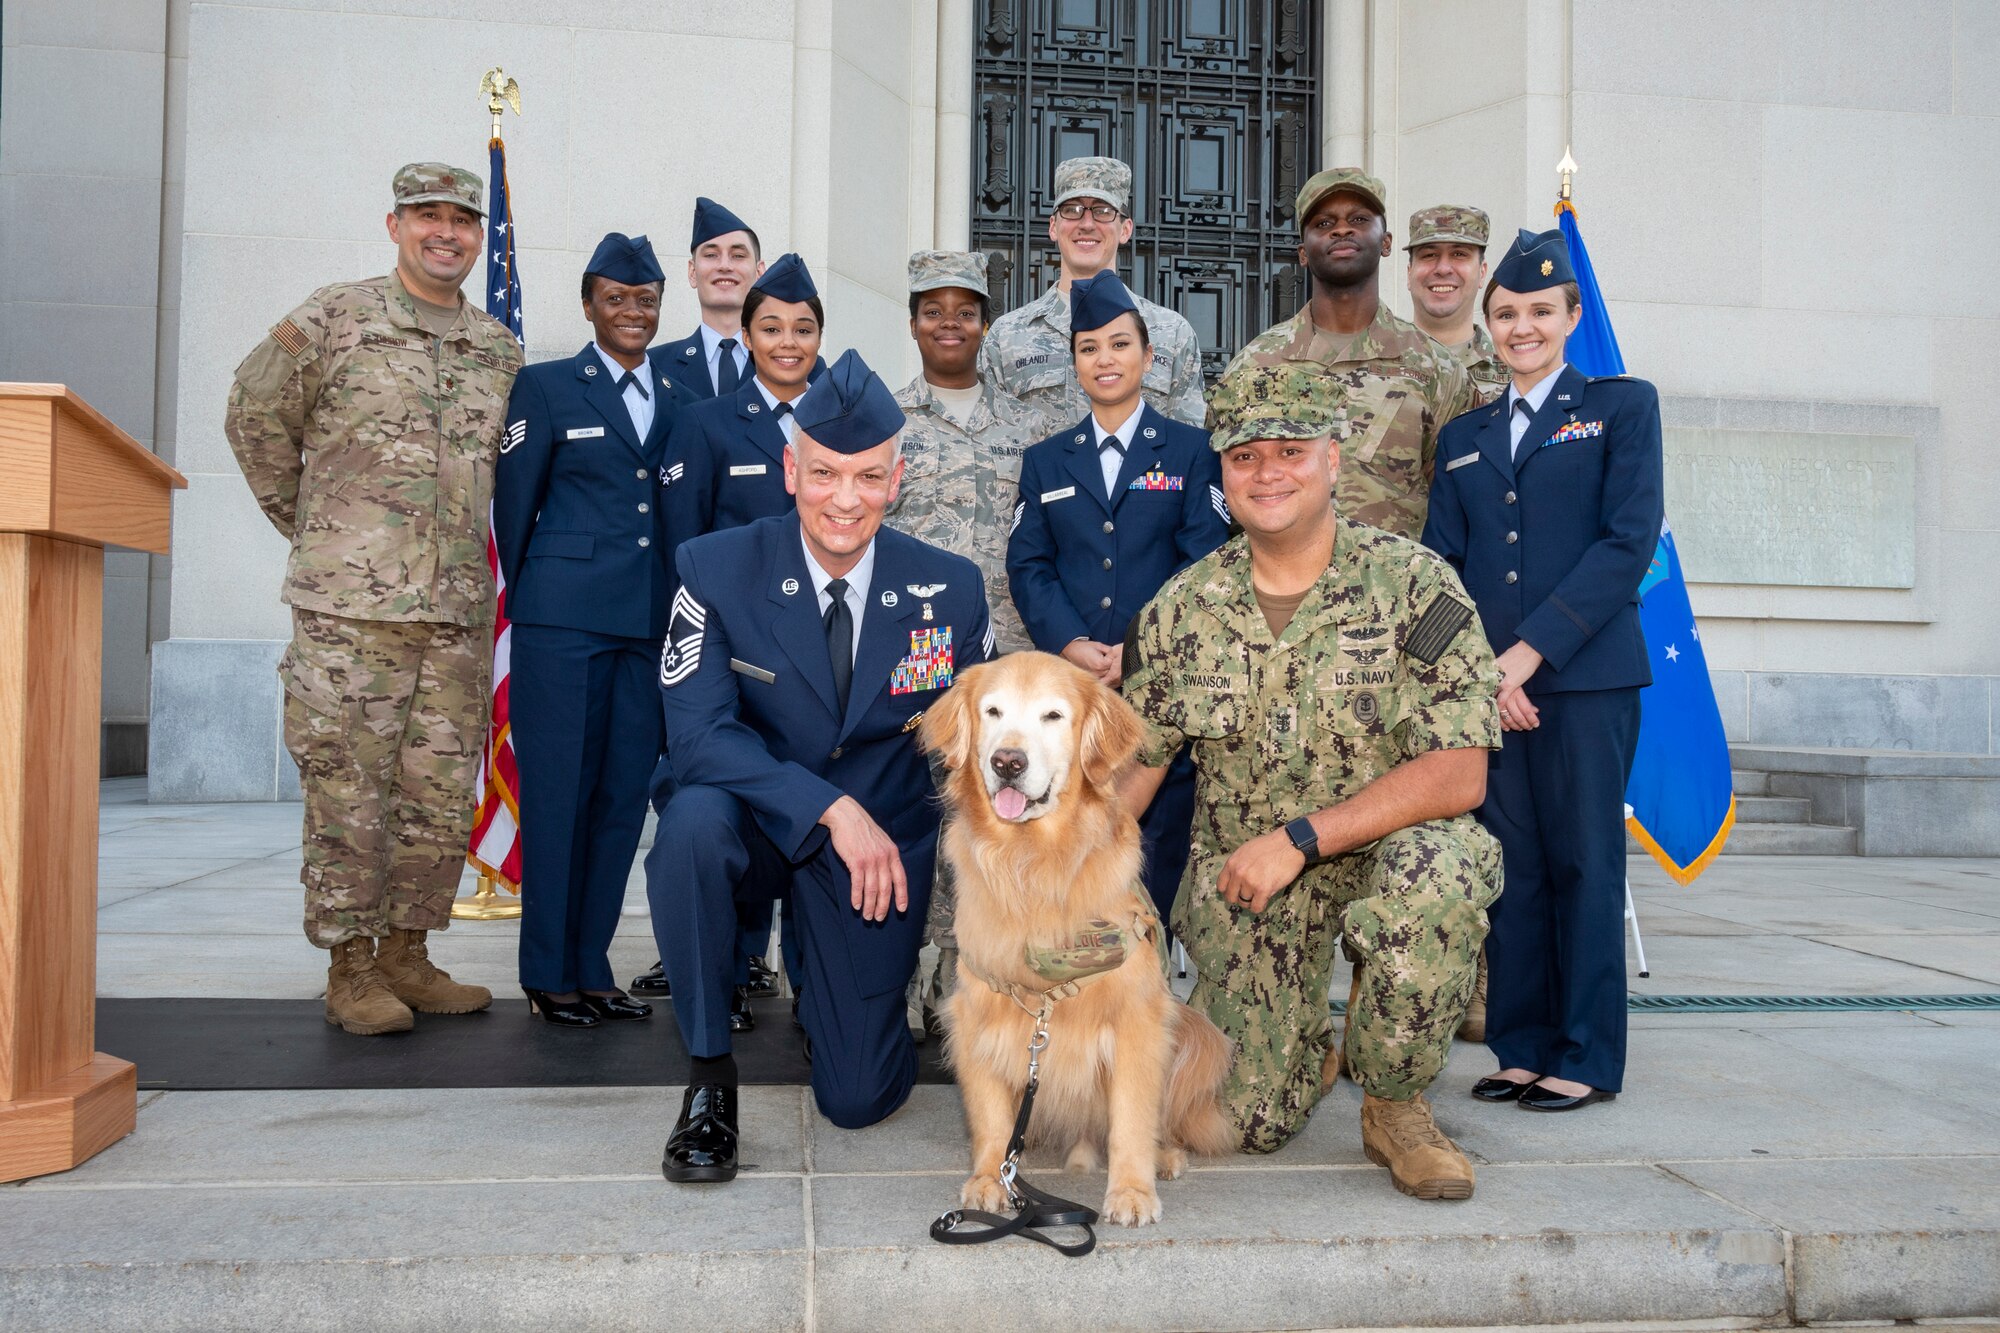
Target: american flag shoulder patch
(680, 655)
(1436, 628)
(291, 337)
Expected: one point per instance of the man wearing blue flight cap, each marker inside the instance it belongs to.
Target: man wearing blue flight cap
(576, 520)
(802, 651)
(724, 258)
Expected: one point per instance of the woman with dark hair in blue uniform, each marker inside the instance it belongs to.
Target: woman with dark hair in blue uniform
(725, 467)
(1110, 509)
(1548, 503)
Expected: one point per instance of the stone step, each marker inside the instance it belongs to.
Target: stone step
(1749, 781)
(1773, 810)
(1790, 840)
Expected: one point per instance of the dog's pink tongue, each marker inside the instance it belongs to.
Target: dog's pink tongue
(1011, 802)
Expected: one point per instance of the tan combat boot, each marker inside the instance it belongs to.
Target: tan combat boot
(406, 967)
(1421, 1160)
(357, 1000)
(1473, 1027)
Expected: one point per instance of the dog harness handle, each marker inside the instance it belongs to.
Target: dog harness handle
(1035, 1209)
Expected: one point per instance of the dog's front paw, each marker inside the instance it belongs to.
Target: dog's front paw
(1131, 1206)
(1172, 1161)
(984, 1193)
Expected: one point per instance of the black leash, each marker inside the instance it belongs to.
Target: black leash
(1035, 1209)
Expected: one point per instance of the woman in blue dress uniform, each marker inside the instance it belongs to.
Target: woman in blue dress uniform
(1548, 503)
(1109, 510)
(725, 467)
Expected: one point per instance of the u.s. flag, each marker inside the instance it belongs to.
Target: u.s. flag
(1681, 799)
(496, 830)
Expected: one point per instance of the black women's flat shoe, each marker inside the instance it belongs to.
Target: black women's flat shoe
(1539, 1098)
(563, 1013)
(653, 981)
(617, 1007)
(703, 1146)
(1498, 1089)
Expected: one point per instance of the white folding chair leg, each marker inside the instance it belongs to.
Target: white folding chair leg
(1638, 943)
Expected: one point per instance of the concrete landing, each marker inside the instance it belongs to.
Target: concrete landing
(1760, 1170)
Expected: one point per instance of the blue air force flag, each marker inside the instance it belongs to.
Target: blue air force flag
(1680, 794)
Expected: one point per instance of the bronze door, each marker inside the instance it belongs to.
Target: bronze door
(1214, 103)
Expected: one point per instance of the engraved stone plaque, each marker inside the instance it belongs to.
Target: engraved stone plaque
(1793, 507)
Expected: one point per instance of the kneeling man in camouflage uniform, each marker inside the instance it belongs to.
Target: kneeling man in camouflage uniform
(1341, 701)
(367, 423)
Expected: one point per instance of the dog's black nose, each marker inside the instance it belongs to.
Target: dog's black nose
(1009, 764)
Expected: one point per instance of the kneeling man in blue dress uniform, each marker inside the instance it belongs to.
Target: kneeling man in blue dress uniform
(801, 654)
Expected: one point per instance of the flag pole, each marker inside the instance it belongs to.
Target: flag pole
(486, 904)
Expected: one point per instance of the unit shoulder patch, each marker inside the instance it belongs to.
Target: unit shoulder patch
(1436, 628)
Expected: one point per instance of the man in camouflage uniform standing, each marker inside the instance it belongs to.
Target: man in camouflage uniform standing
(1340, 699)
(1393, 385)
(1028, 354)
(962, 445)
(1447, 254)
(367, 424)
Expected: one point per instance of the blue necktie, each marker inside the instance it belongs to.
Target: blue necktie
(725, 367)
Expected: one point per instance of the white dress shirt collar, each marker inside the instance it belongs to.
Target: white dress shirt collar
(638, 395)
(1517, 424)
(711, 352)
(1111, 460)
(789, 423)
(858, 580)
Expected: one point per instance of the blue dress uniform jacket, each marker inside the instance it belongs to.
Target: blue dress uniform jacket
(1553, 541)
(576, 505)
(684, 363)
(761, 749)
(724, 465)
(577, 525)
(1552, 544)
(1082, 564)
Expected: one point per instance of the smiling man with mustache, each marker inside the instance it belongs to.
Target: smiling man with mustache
(1393, 386)
(367, 423)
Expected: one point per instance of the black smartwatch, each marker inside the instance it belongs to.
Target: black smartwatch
(1303, 837)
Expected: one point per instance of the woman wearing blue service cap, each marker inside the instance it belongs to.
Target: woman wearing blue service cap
(1548, 502)
(725, 467)
(1109, 510)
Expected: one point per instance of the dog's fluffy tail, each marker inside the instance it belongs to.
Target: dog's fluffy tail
(1194, 1086)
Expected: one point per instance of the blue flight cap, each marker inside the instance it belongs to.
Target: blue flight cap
(787, 279)
(712, 220)
(1096, 301)
(1534, 261)
(626, 259)
(849, 408)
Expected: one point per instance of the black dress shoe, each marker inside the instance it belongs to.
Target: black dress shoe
(795, 1014)
(1539, 1098)
(763, 981)
(653, 981)
(703, 1146)
(1498, 1089)
(740, 1017)
(615, 1007)
(563, 1013)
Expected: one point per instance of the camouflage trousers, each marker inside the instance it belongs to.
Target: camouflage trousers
(1411, 910)
(386, 720)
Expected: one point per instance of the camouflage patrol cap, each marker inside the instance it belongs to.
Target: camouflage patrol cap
(1448, 222)
(1103, 178)
(439, 182)
(1273, 403)
(932, 269)
(1325, 183)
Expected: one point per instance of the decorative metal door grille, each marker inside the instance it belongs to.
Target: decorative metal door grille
(1215, 103)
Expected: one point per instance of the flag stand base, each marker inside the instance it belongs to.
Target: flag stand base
(485, 905)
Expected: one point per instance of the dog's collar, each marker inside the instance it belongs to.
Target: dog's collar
(1096, 951)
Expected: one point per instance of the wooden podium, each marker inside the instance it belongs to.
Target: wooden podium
(71, 483)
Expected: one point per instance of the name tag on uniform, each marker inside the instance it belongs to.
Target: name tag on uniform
(585, 433)
(742, 667)
(1050, 497)
(748, 470)
(1461, 461)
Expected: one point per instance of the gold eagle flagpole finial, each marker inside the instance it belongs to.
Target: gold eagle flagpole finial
(501, 91)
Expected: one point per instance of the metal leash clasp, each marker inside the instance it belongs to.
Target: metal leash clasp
(1010, 1169)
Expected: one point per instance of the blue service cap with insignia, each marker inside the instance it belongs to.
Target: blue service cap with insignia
(849, 408)
(626, 259)
(1535, 260)
(1095, 302)
(787, 279)
(712, 220)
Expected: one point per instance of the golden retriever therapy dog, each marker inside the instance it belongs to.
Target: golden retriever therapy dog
(1042, 849)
